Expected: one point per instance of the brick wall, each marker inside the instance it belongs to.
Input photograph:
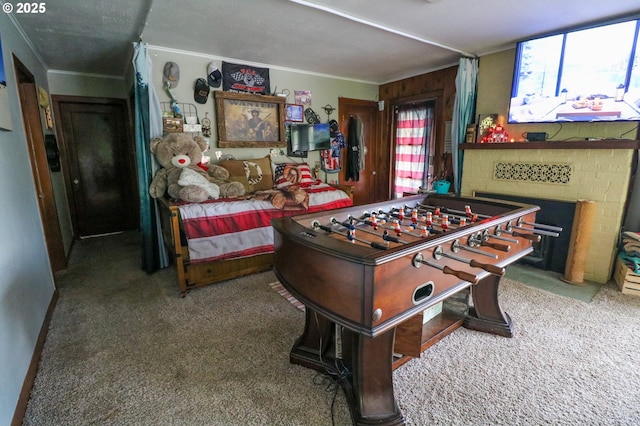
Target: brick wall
(600, 175)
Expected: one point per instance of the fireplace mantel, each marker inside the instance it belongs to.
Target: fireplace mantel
(597, 144)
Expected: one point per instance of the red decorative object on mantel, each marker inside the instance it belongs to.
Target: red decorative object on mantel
(496, 134)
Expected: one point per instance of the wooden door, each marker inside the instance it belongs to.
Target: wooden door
(99, 153)
(366, 189)
(39, 166)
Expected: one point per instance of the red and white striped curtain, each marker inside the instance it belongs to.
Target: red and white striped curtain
(414, 130)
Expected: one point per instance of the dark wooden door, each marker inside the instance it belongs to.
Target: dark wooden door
(366, 189)
(99, 155)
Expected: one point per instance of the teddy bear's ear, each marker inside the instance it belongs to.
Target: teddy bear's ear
(202, 142)
(154, 144)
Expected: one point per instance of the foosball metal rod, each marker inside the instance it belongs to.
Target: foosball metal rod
(478, 240)
(456, 247)
(388, 237)
(451, 217)
(419, 259)
(540, 225)
(373, 244)
(447, 210)
(533, 230)
(486, 235)
(531, 237)
(439, 252)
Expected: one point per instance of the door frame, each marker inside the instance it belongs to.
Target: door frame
(34, 134)
(56, 101)
(439, 155)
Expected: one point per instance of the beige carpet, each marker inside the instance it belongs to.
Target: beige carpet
(125, 349)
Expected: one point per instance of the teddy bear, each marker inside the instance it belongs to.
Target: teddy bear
(183, 177)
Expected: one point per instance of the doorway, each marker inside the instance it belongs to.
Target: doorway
(27, 92)
(100, 175)
(367, 188)
(413, 147)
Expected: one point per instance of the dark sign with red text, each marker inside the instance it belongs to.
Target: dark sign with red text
(245, 79)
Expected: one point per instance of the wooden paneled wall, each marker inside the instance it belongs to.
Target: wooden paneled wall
(439, 85)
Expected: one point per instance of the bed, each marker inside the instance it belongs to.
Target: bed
(222, 239)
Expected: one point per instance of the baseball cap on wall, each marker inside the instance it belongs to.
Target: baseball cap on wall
(171, 74)
(214, 76)
(201, 91)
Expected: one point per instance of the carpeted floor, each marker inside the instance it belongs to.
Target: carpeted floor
(125, 349)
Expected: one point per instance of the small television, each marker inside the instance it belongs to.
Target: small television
(308, 137)
(585, 75)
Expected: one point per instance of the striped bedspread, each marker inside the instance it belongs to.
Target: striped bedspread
(229, 229)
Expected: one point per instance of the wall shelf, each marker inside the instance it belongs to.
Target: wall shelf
(599, 144)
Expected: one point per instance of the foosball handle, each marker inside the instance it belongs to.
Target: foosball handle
(531, 237)
(465, 276)
(492, 269)
(496, 246)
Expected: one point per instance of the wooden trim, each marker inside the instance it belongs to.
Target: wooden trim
(30, 378)
(599, 144)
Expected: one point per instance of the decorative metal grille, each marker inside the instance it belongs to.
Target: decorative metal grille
(533, 172)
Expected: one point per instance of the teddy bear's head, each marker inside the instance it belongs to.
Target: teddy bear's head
(178, 150)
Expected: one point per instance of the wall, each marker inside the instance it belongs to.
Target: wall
(601, 175)
(324, 90)
(27, 285)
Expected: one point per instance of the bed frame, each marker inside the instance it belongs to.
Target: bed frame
(201, 274)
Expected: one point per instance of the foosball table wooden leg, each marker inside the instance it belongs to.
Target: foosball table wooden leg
(486, 314)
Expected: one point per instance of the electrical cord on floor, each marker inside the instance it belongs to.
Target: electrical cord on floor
(332, 381)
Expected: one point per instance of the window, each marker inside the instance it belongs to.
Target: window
(413, 152)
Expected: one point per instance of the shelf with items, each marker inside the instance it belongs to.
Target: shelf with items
(180, 117)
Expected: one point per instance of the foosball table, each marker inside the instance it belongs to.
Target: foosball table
(368, 275)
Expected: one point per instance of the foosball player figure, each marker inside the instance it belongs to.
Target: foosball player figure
(414, 216)
(445, 222)
(424, 233)
(429, 219)
(396, 227)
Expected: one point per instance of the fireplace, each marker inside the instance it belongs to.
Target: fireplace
(550, 254)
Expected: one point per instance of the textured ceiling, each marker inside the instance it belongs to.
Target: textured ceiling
(368, 40)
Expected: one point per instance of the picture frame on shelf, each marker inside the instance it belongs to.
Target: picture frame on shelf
(470, 136)
(294, 113)
(250, 121)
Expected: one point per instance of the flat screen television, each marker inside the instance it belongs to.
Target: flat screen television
(308, 137)
(590, 74)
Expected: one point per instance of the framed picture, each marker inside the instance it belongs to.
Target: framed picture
(250, 121)
(470, 136)
(294, 112)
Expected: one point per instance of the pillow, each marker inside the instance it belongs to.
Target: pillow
(287, 174)
(254, 175)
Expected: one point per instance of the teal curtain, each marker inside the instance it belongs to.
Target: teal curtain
(148, 124)
(463, 112)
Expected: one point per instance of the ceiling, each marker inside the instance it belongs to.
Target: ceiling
(367, 40)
